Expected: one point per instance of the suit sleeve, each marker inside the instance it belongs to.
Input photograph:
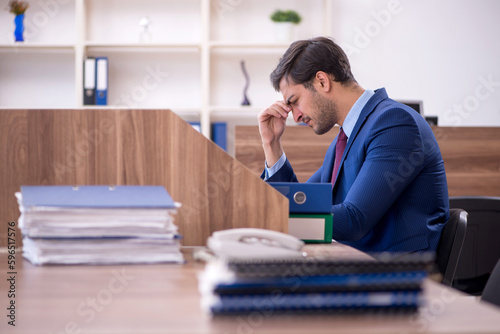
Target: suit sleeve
(395, 155)
(284, 174)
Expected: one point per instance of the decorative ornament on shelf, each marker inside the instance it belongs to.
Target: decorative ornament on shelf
(285, 20)
(245, 101)
(145, 35)
(18, 8)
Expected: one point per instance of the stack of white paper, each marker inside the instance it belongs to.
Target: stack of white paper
(98, 225)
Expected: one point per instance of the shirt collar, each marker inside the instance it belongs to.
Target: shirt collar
(353, 115)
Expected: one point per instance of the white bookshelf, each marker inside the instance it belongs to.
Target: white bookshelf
(197, 45)
(40, 47)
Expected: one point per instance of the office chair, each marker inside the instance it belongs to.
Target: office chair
(450, 245)
(491, 292)
(481, 249)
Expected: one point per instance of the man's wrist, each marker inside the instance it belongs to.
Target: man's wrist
(273, 152)
(271, 170)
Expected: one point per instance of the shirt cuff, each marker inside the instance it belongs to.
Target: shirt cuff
(270, 171)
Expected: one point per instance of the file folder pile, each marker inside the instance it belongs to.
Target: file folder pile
(311, 285)
(98, 225)
(310, 210)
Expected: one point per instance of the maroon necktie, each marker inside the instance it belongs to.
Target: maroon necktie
(339, 152)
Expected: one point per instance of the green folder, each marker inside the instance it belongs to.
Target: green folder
(311, 227)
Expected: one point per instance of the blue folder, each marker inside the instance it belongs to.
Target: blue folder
(97, 197)
(219, 135)
(306, 197)
(101, 88)
(380, 281)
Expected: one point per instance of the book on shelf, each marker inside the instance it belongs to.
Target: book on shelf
(196, 126)
(309, 284)
(98, 224)
(219, 134)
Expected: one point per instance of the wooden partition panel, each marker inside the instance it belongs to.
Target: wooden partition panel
(134, 147)
(472, 159)
(471, 155)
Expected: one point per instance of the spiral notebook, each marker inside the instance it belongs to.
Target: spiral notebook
(309, 266)
(400, 301)
(391, 284)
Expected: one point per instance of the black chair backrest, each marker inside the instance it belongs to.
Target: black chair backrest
(491, 292)
(450, 244)
(481, 249)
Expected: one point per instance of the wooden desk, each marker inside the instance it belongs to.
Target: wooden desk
(165, 299)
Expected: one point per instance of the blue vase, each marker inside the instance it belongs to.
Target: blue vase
(19, 22)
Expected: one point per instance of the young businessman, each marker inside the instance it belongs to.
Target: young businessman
(389, 183)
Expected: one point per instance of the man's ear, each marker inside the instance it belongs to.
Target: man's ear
(322, 82)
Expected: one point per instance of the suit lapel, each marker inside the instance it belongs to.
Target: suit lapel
(328, 162)
(380, 95)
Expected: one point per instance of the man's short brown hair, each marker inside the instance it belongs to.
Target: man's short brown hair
(305, 58)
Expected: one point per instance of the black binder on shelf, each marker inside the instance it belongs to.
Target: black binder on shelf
(89, 81)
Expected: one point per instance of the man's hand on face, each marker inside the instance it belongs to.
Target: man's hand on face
(272, 123)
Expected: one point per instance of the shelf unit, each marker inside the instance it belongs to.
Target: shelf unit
(195, 49)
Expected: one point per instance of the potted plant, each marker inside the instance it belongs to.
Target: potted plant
(18, 8)
(284, 21)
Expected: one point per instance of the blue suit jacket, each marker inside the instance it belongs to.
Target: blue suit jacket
(391, 192)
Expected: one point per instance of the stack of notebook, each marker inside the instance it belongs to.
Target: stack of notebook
(98, 225)
(314, 285)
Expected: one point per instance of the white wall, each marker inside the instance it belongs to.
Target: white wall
(443, 52)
